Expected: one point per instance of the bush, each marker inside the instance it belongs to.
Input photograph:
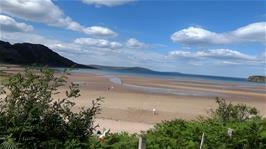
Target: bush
(187, 134)
(248, 132)
(31, 117)
(229, 112)
(117, 141)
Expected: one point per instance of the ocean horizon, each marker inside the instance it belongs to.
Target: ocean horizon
(173, 76)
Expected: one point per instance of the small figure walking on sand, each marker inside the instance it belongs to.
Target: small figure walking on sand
(109, 88)
(154, 111)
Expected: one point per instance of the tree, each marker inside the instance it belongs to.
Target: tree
(31, 116)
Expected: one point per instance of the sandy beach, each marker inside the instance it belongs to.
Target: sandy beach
(127, 108)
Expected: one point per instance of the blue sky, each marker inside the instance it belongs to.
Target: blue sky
(225, 38)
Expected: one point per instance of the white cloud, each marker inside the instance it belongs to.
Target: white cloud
(108, 3)
(134, 43)
(230, 63)
(224, 54)
(252, 32)
(100, 31)
(101, 43)
(9, 24)
(58, 45)
(196, 35)
(45, 11)
(181, 54)
(220, 54)
(255, 32)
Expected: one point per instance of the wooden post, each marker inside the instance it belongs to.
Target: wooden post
(202, 140)
(142, 143)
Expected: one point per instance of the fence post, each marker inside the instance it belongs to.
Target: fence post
(202, 140)
(142, 142)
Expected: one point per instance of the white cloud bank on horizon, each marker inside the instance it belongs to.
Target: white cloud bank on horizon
(9, 24)
(36, 11)
(108, 3)
(218, 56)
(213, 53)
(101, 43)
(255, 32)
(131, 43)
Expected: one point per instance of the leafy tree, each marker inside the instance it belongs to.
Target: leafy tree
(31, 116)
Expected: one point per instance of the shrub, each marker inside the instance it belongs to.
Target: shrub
(121, 140)
(229, 112)
(248, 132)
(31, 117)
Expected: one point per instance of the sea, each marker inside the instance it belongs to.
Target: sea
(172, 76)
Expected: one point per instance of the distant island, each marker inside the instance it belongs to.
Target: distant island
(29, 54)
(125, 69)
(260, 79)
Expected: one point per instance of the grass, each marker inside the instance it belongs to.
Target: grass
(3, 75)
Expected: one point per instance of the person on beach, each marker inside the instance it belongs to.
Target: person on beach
(153, 111)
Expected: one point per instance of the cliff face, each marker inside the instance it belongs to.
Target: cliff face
(261, 79)
(28, 54)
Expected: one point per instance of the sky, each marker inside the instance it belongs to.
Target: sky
(214, 37)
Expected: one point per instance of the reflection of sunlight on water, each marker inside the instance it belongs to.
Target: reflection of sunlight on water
(160, 90)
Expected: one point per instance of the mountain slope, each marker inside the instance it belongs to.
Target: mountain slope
(28, 54)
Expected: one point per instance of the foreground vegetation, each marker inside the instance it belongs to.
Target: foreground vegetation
(3, 75)
(30, 117)
(248, 131)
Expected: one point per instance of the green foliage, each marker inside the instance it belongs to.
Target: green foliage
(229, 112)
(31, 117)
(249, 131)
(187, 134)
(117, 141)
